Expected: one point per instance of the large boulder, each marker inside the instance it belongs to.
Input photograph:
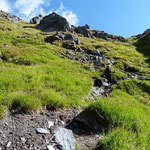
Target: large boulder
(84, 31)
(88, 121)
(54, 22)
(36, 20)
(9, 17)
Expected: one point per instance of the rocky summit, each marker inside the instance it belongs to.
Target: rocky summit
(54, 22)
(64, 87)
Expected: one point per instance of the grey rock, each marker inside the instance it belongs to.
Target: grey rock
(65, 137)
(105, 84)
(54, 22)
(47, 114)
(70, 45)
(8, 144)
(63, 36)
(23, 140)
(9, 17)
(36, 20)
(94, 52)
(106, 36)
(42, 131)
(49, 147)
(50, 124)
(96, 91)
(84, 31)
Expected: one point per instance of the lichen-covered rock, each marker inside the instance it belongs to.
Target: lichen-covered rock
(65, 138)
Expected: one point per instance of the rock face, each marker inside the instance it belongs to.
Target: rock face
(9, 17)
(54, 22)
(106, 36)
(63, 36)
(36, 20)
(84, 31)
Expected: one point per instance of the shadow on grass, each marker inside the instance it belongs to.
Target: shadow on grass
(143, 46)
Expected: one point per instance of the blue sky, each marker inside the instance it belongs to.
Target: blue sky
(119, 17)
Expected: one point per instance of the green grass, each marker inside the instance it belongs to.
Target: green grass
(33, 75)
(127, 117)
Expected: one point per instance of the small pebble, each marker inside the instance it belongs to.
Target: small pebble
(50, 124)
(42, 131)
(8, 145)
(23, 140)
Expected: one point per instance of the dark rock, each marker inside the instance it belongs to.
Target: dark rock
(70, 45)
(88, 121)
(98, 82)
(87, 26)
(106, 36)
(71, 37)
(36, 20)
(54, 22)
(129, 68)
(84, 31)
(62, 36)
(9, 17)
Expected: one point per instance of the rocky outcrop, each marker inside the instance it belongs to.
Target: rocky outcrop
(106, 36)
(84, 30)
(62, 36)
(9, 17)
(54, 22)
(36, 20)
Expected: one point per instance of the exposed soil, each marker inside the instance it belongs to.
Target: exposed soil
(19, 129)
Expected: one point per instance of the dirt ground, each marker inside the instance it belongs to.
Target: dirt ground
(17, 130)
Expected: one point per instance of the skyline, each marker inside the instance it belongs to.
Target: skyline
(124, 18)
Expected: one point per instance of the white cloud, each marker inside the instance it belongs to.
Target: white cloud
(29, 7)
(5, 6)
(26, 9)
(69, 15)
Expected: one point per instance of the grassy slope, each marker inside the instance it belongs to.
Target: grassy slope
(33, 75)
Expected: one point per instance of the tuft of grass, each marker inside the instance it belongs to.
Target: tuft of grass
(22, 102)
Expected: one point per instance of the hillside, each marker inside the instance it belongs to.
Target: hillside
(41, 71)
